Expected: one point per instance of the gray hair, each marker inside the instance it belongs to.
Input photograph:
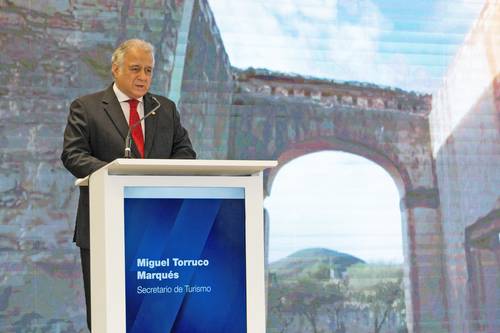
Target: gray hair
(121, 50)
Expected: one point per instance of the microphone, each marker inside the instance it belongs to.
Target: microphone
(128, 141)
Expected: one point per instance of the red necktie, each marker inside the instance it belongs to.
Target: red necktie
(137, 130)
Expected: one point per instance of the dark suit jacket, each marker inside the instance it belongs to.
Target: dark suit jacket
(95, 135)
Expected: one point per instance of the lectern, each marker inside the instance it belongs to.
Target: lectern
(177, 246)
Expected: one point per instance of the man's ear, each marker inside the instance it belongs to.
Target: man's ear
(114, 69)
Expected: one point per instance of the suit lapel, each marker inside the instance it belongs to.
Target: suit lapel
(114, 110)
(115, 113)
(151, 122)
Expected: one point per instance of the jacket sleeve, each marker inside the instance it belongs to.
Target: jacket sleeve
(77, 151)
(182, 147)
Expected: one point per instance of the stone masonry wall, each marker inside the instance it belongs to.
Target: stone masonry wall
(465, 130)
(207, 86)
(52, 52)
(331, 93)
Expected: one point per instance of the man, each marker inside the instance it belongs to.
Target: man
(98, 124)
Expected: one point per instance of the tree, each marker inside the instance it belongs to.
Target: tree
(382, 299)
(337, 293)
(279, 307)
(308, 295)
(305, 298)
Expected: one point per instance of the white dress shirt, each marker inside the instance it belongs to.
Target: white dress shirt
(123, 99)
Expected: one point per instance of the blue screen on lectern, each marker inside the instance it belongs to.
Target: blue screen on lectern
(185, 260)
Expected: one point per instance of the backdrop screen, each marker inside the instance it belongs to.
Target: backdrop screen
(383, 214)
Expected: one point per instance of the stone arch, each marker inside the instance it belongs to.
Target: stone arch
(402, 181)
(397, 171)
(264, 126)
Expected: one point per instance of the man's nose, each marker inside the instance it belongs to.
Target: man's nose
(143, 75)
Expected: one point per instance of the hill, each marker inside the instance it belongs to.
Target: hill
(316, 262)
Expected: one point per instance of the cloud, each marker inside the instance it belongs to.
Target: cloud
(459, 15)
(343, 39)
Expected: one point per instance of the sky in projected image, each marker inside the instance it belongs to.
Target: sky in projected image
(404, 44)
(338, 201)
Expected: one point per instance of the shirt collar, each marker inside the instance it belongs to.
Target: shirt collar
(121, 96)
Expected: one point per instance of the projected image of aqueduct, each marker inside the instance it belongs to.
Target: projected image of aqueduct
(442, 150)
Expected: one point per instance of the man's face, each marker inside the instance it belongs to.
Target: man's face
(134, 76)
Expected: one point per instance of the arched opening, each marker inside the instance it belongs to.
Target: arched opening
(331, 199)
(335, 246)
